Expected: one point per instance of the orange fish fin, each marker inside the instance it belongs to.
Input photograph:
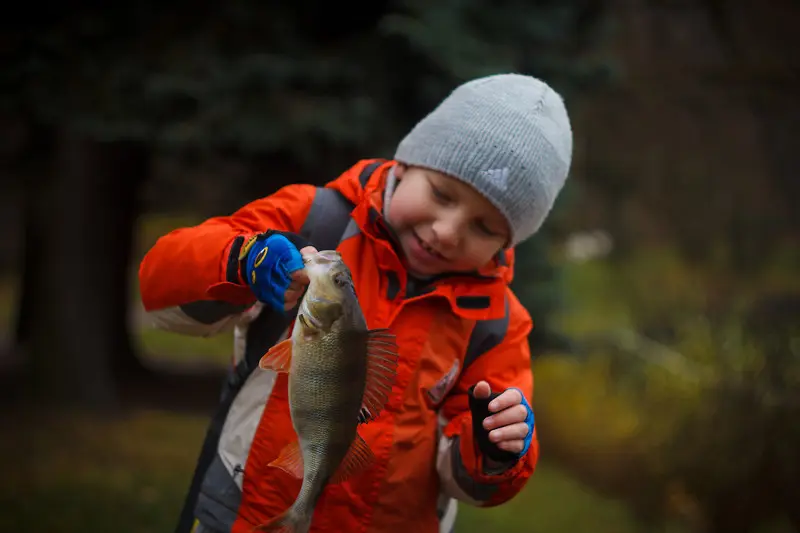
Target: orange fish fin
(290, 460)
(278, 358)
(382, 359)
(357, 458)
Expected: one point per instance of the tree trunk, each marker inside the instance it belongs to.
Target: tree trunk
(78, 223)
(32, 169)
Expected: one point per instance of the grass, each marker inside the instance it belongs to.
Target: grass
(86, 474)
(551, 502)
(90, 475)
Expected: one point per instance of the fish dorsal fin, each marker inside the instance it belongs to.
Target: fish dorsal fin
(278, 358)
(381, 373)
(290, 460)
(357, 458)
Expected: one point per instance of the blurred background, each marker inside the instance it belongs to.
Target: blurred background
(664, 288)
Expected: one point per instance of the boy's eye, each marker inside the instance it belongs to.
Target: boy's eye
(439, 194)
(483, 228)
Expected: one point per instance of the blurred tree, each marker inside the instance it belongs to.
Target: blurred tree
(72, 316)
(112, 89)
(693, 148)
(699, 428)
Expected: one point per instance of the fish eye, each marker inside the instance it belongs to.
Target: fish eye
(341, 280)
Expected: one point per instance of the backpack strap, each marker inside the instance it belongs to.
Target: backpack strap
(329, 222)
(329, 217)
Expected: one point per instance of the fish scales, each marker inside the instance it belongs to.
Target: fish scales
(320, 405)
(340, 375)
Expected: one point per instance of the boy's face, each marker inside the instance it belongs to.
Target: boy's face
(443, 224)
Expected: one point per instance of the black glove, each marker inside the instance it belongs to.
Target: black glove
(480, 410)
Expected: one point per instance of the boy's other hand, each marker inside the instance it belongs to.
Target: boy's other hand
(510, 424)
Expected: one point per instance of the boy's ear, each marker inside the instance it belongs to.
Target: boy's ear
(399, 170)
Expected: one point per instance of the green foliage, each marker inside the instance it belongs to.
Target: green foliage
(688, 426)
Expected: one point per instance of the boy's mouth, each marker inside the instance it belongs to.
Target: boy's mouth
(428, 248)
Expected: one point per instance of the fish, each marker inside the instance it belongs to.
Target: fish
(340, 375)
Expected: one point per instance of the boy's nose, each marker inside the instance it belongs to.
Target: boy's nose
(447, 233)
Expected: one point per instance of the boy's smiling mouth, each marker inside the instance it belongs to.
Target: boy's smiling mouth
(427, 248)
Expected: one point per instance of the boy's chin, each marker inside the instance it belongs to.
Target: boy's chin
(424, 273)
(427, 270)
(418, 270)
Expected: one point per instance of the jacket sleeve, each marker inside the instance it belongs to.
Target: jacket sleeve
(460, 463)
(189, 280)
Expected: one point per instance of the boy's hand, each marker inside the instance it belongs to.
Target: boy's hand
(272, 266)
(299, 282)
(510, 421)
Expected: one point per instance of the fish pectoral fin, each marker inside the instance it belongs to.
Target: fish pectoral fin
(290, 460)
(382, 360)
(357, 458)
(278, 358)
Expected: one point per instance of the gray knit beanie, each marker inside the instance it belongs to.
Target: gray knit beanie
(507, 135)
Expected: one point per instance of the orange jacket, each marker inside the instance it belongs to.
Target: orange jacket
(425, 454)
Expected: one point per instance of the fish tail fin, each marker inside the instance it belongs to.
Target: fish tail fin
(290, 521)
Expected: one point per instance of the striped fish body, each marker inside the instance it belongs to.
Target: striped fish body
(340, 375)
(326, 385)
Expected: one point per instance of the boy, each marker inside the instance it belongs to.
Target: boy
(430, 245)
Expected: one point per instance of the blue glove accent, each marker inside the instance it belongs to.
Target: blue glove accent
(530, 421)
(270, 263)
(480, 410)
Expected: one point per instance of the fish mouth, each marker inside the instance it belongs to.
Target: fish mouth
(323, 257)
(322, 267)
(322, 305)
(318, 300)
(308, 320)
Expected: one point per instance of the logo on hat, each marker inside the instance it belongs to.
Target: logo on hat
(497, 177)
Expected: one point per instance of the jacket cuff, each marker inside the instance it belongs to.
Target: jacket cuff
(474, 461)
(234, 289)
